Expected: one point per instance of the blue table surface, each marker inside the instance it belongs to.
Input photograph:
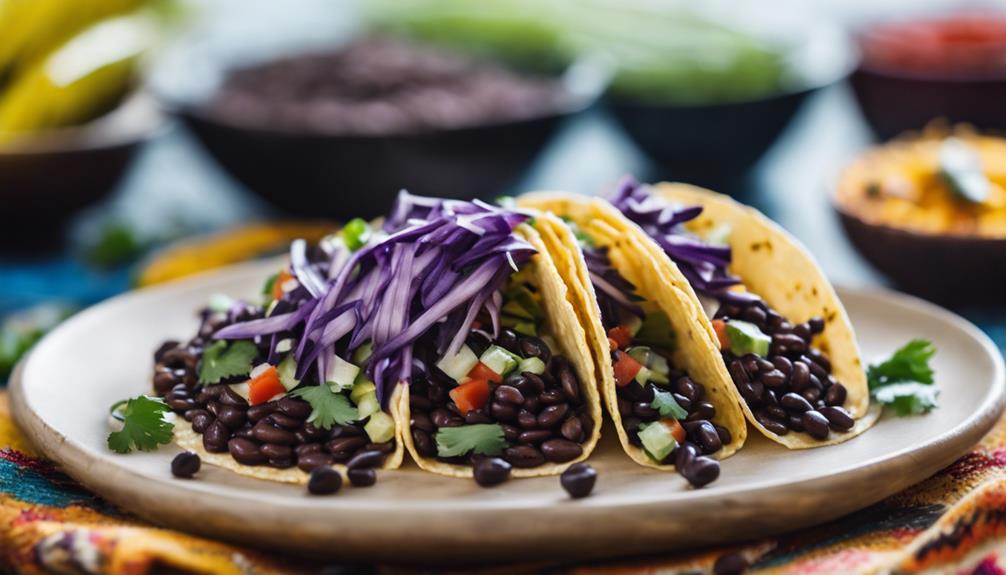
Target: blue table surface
(173, 182)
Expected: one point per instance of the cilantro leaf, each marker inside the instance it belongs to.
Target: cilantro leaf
(910, 363)
(327, 407)
(910, 398)
(482, 438)
(904, 382)
(664, 402)
(221, 360)
(143, 425)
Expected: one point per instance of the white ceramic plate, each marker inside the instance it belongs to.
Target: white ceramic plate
(63, 390)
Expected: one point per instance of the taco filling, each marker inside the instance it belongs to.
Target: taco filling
(662, 410)
(441, 298)
(785, 381)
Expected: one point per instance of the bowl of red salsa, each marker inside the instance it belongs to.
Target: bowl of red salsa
(916, 71)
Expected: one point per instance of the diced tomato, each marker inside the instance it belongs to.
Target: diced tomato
(482, 371)
(612, 344)
(621, 336)
(277, 286)
(721, 333)
(626, 368)
(264, 387)
(675, 428)
(471, 396)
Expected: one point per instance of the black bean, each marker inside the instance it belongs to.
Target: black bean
(686, 387)
(282, 463)
(552, 397)
(838, 418)
(442, 417)
(706, 437)
(750, 363)
(510, 432)
(561, 450)
(244, 433)
(294, 407)
(527, 420)
(345, 444)
(725, 436)
(310, 433)
(836, 395)
(572, 429)
(419, 402)
(231, 416)
(624, 406)
(645, 411)
(534, 437)
(702, 410)
(578, 480)
(230, 397)
(783, 364)
(523, 456)
(800, 376)
(260, 411)
(215, 437)
(631, 423)
(267, 433)
(366, 460)
(276, 452)
(185, 465)
(201, 421)
(776, 412)
(305, 448)
(362, 477)
(453, 408)
(491, 471)
(532, 404)
(345, 431)
(737, 373)
(771, 424)
(570, 386)
(182, 405)
(816, 370)
(509, 394)
(324, 481)
(815, 424)
(683, 454)
(164, 348)
(422, 421)
(701, 471)
(795, 402)
(816, 325)
(795, 422)
(683, 401)
(508, 340)
(477, 416)
(755, 315)
(752, 391)
(245, 451)
(531, 346)
(552, 415)
(424, 445)
(773, 378)
(820, 359)
(386, 447)
(730, 564)
(811, 394)
(802, 330)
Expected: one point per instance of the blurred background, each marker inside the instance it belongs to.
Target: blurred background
(145, 140)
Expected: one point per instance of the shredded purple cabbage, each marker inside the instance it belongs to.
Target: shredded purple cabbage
(441, 263)
(615, 294)
(703, 265)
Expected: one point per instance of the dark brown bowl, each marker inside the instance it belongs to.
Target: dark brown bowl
(47, 179)
(894, 103)
(952, 269)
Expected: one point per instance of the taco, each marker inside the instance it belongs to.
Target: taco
(783, 341)
(658, 373)
(444, 332)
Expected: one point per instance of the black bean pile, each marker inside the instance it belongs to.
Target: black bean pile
(704, 436)
(275, 433)
(544, 417)
(380, 86)
(792, 389)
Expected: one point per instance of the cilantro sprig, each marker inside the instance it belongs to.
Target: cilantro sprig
(143, 425)
(327, 407)
(482, 438)
(221, 360)
(904, 381)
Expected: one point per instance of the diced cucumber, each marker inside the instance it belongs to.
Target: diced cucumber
(632, 322)
(646, 374)
(460, 364)
(657, 440)
(341, 374)
(500, 360)
(649, 358)
(745, 337)
(241, 389)
(368, 404)
(532, 365)
(284, 345)
(380, 428)
(363, 353)
(287, 371)
(656, 330)
(362, 388)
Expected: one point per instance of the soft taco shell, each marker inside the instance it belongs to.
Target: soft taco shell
(695, 352)
(189, 440)
(562, 326)
(774, 265)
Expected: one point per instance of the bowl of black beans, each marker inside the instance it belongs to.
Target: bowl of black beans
(338, 133)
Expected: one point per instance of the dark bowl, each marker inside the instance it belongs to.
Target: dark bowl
(894, 103)
(49, 178)
(716, 145)
(951, 269)
(336, 176)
